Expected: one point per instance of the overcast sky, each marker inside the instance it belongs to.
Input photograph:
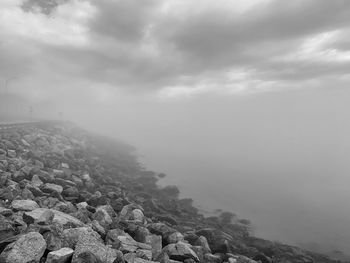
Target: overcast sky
(173, 48)
(243, 103)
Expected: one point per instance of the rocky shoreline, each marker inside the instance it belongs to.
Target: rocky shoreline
(70, 196)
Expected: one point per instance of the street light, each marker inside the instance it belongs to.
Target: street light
(6, 93)
(7, 83)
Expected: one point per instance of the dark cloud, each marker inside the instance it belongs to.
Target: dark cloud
(134, 45)
(43, 6)
(125, 20)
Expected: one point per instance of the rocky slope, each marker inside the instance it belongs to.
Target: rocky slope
(69, 196)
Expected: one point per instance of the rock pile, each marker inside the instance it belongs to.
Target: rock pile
(68, 196)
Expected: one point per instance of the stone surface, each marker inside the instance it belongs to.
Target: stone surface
(28, 248)
(59, 217)
(24, 205)
(180, 251)
(62, 255)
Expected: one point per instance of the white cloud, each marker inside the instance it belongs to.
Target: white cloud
(68, 25)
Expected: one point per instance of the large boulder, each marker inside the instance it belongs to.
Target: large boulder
(24, 205)
(60, 218)
(28, 248)
(90, 241)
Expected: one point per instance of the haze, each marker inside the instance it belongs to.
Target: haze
(243, 104)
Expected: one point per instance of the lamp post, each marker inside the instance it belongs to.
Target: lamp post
(6, 93)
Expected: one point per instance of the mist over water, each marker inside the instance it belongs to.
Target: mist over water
(278, 159)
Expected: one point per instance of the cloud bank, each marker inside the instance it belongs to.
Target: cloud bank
(174, 48)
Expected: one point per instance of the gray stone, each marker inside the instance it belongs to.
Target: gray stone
(180, 251)
(49, 188)
(28, 248)
(24, 205)
(90, 241)
(59, 217)
(60, 256)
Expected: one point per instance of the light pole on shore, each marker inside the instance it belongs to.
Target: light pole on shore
(6, 93)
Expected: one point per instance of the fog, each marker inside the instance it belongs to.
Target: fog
(249, 115)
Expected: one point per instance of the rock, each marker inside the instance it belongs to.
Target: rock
(59, 217)
(175, 237)
(11, 153)
(210, 258)
(102, 216)
(5, 211)
(36, 182)
(60, 256)
(44, 218)
(137, 215)
(156, 243)
(28, 248)
(6, 229)
(24, 205)
(180, 251)
(50, 188)
(202, 241)
(87, 257)
(218, 240)
(92, 242)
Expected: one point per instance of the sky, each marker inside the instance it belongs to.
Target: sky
(244, 103)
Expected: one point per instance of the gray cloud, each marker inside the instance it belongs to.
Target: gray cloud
(135, 46)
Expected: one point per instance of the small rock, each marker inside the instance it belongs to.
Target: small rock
(50, 188)
(180, 251)
(11, 153)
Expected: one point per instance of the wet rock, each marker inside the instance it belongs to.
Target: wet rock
(28, 248)
(180, 251)
(60, 256)
(24, 205)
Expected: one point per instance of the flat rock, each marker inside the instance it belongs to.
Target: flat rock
(60, 218)
(28, 248)
(24, 205)
(60, 256)
(180, 251)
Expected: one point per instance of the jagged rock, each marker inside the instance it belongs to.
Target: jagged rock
(203, 242)
(180, 251)
(92, 242)
(163, 230)
(43, 218)
(11, 153)
(217, 240)
(5, 211)
(243, 259)
(98, 228)
(51, 188)
(87, 257)
(54, 237)
(60, 256)
(137, 216)
(175, 237)
(155, 242)
(59, 217)
(36, 182)
(127, 211)
(28, 248)
(210, 258)
(24, 205)
(6, 229)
